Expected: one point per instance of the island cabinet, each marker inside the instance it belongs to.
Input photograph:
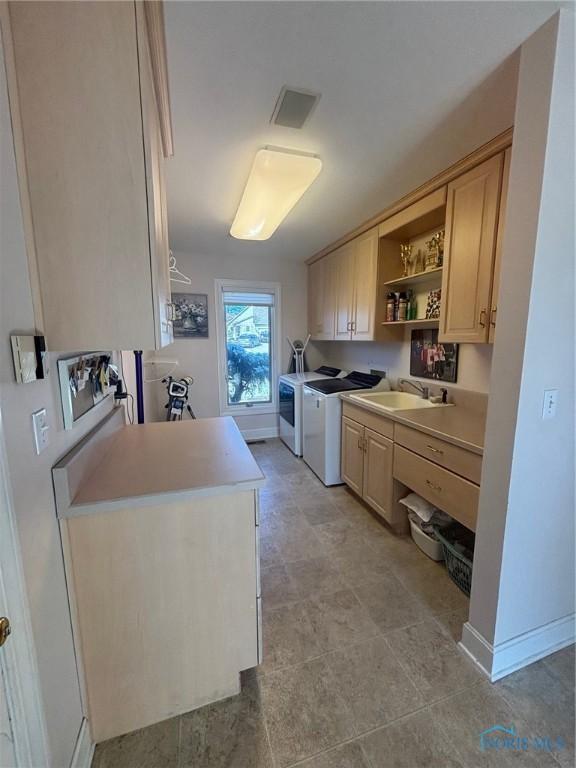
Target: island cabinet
(159, 527)
(91, 123)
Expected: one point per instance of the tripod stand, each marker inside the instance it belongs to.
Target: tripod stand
(178, 398)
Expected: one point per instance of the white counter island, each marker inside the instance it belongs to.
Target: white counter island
(159, 526)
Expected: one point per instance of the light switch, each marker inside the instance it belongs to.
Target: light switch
(41, 430)
(549, 405)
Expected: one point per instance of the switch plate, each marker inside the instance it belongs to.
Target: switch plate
(41, 429)
(549, 405)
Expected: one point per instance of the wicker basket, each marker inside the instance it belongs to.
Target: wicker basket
(459, 566)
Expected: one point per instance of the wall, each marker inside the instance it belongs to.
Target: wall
(30, 475)
(198, 357)
(523, 589)
(474, 360)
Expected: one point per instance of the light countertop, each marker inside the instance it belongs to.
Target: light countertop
(153, 462)
(455, 424)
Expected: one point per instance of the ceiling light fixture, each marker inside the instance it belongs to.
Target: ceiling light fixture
(278, 179)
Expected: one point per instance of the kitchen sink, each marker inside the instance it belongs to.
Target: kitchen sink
(395, 401)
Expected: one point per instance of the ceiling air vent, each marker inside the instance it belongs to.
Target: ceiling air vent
(294, 107)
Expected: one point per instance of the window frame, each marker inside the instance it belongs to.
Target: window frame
(247, 286)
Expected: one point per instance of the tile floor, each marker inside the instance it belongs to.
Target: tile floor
(361, 666)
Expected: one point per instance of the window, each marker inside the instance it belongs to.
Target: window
(247, 324)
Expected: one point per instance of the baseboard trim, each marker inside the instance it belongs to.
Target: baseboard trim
(84, 749)
(501, 660)
(259, 434)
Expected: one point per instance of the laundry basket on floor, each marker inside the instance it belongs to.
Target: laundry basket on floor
(458, 547)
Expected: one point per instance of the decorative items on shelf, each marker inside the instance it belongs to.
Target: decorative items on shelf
(401, 307)
(433, 304)
(435, 255)
(412, 313)
(419, 261)
(406, 257)
(390, 307)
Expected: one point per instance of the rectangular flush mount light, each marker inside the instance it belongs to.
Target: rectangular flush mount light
(277, 180)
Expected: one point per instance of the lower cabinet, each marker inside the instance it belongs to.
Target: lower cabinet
(352, 469)
(377, 485)
(165, 604)
(367, 460)
(382, 461)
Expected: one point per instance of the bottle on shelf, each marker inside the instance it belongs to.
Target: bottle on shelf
(390, 307)
(402, 307)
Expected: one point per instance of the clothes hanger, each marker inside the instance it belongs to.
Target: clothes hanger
(175, 275)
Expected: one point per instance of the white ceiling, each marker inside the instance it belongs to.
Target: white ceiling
(407, 88)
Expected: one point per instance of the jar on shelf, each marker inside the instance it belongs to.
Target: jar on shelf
(390, 307)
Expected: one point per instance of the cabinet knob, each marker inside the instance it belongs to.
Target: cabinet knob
(433, 486)
(493, 316)
(482, 320)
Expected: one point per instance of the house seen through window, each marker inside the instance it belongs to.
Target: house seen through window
(249, 321)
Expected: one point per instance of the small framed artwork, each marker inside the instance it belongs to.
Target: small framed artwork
(190, 315)
(431, 359)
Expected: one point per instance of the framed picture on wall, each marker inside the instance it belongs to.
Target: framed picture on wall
(431, 359)
(190, 315)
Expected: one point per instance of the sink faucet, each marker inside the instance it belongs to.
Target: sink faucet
(424, 391)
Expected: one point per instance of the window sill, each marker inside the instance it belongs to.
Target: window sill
(245, 410)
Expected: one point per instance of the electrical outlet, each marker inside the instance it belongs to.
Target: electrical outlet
(549, 405)
(41, 429)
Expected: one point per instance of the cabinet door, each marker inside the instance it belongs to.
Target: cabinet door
(377, 486)
(344, 266)
(78, 92)
(328, 306)
(499, 239)
(156, 194)
(352, 468)
(471, 221)
(315, 298)
(365, 285)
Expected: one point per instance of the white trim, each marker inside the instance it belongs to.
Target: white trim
(18, 659)
(248, 286)
(84, 749)
(503, 659)
(259, 434)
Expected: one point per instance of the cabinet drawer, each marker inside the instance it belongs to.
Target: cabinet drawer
(379, 424)
(444, 489)
(452, 457)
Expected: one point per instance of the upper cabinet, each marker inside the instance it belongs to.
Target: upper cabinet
(499, 240)
(91, 128)
(445, 238)
(469, 251)
(321, 299)
(365, 286)
(342, 291)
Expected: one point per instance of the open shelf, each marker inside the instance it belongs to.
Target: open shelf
(419, 277)
(423, 321)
